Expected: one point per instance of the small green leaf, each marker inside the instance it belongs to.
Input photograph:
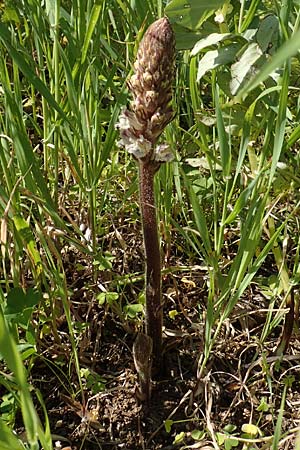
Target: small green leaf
(250, 429)
(84, 372)
(103, 262)
(197, 435)
(229, 428)
(231, 442)
(96, 383)
(220, 438)
(263, 406)
(179, 438)
(168, 425)
(289, 380)
(108, 297)
(133, 310)
(26, 350)
(173, 313)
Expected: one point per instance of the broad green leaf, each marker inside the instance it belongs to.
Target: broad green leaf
(242, 70)
(286, 51)
(18, 300)
(191, 13)
(185, 38)
(215, 58)
(268, 33)
(208, 41)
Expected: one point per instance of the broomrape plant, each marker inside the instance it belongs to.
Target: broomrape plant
(140, 128)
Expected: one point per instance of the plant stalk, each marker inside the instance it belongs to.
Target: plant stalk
(153, 311)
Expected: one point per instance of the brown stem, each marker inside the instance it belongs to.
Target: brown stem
(154, 317)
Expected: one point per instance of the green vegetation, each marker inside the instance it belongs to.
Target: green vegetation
(72, 279)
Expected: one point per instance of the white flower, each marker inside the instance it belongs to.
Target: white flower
(136, 145)
(128, 120)
(139, 147)
(130, 134)
(163, 153)
(219, 16)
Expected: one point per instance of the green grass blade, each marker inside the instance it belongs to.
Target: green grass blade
(200, 220)
(222, 138)
(279, 420)
(280, 123)
(9, 351)
(96, 10)
(250, 14)
(8, 440)
(30, 170)
(28, 72)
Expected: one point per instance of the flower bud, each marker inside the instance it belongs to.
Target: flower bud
(151, 88)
